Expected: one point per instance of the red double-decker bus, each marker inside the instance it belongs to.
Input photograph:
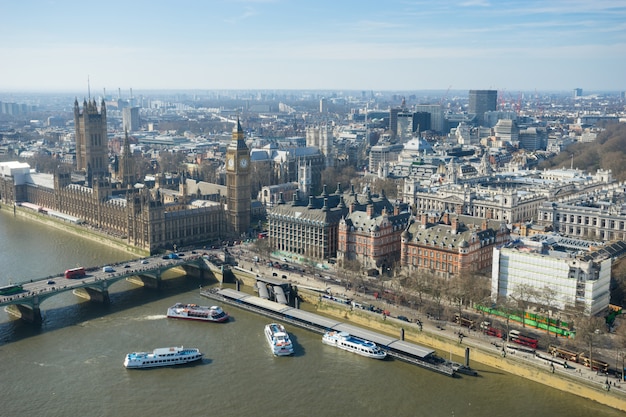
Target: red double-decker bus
(75, 273)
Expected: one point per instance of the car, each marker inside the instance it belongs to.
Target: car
(108, 269)
(274, 274)
(181, 254)
(404, 318)
(165, 257)
(50, 282)
(126, 266)
(284, 276)
(144, 261)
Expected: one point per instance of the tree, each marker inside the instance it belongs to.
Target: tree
(618, 283)
(417, 283)
(456, 293)
(331, 176)
(263, 247)
(437, 291)
(171, 161)
(547, 299)
(508, 307)
(523, 294)
(589, 331)
(350, 270)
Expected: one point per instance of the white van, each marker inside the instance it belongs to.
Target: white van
(108, 269)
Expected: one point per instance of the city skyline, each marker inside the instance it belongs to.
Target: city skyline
(283, 44)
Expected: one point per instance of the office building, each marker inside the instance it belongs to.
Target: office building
(481, 101)
(570, 278)
(436, 116)
(130, 119)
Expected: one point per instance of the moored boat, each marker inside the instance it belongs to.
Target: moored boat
(196, 312)
(162, 357)
(278, 339)
(346, 341)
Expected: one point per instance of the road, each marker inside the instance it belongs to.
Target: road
(59, 282)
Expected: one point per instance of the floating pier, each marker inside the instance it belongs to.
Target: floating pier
(397, 348)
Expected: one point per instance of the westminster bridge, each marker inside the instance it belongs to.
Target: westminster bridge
(94, 285)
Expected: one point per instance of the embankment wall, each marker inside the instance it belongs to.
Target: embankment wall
(492, 358)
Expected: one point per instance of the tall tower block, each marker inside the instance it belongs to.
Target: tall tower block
(482, 101)
(91, 139)
(238, 181)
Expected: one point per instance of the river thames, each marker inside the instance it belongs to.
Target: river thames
(71, 365)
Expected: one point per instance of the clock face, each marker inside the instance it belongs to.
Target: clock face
(231, 162)
(244, 162)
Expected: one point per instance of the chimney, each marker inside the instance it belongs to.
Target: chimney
(446, 218)
(396, 210)
(351, 207)
(370, 210)
(455, 226)
(484, 225)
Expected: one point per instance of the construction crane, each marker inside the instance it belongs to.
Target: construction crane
(445, 96)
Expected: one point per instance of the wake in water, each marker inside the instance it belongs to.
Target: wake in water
(152, 317)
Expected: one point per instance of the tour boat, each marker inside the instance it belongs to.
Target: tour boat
(278, 339)
(345, 341)
(162, 357)
(196, 312)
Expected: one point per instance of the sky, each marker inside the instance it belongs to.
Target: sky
(363, 45)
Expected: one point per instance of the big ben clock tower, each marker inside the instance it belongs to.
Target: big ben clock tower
(238, 181)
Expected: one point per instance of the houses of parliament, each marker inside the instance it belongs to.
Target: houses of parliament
(111, 201)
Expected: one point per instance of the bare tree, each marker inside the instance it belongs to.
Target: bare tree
(456, 293)
(589, 332)
(416, 283)
(350, 272)
(171, 161)
(263, 247)
(508, 307)
(523, 294)
(437, 292)
(547, 299)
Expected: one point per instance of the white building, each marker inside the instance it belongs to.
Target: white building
(572, 280)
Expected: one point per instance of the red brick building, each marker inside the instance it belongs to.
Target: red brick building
(372, 237)
(449, 244)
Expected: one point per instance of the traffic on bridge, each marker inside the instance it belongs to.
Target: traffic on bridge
(27, 296)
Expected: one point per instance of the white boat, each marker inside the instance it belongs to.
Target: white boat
(162, 357)
(345, 341)
(278, 339)
(196, 312)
